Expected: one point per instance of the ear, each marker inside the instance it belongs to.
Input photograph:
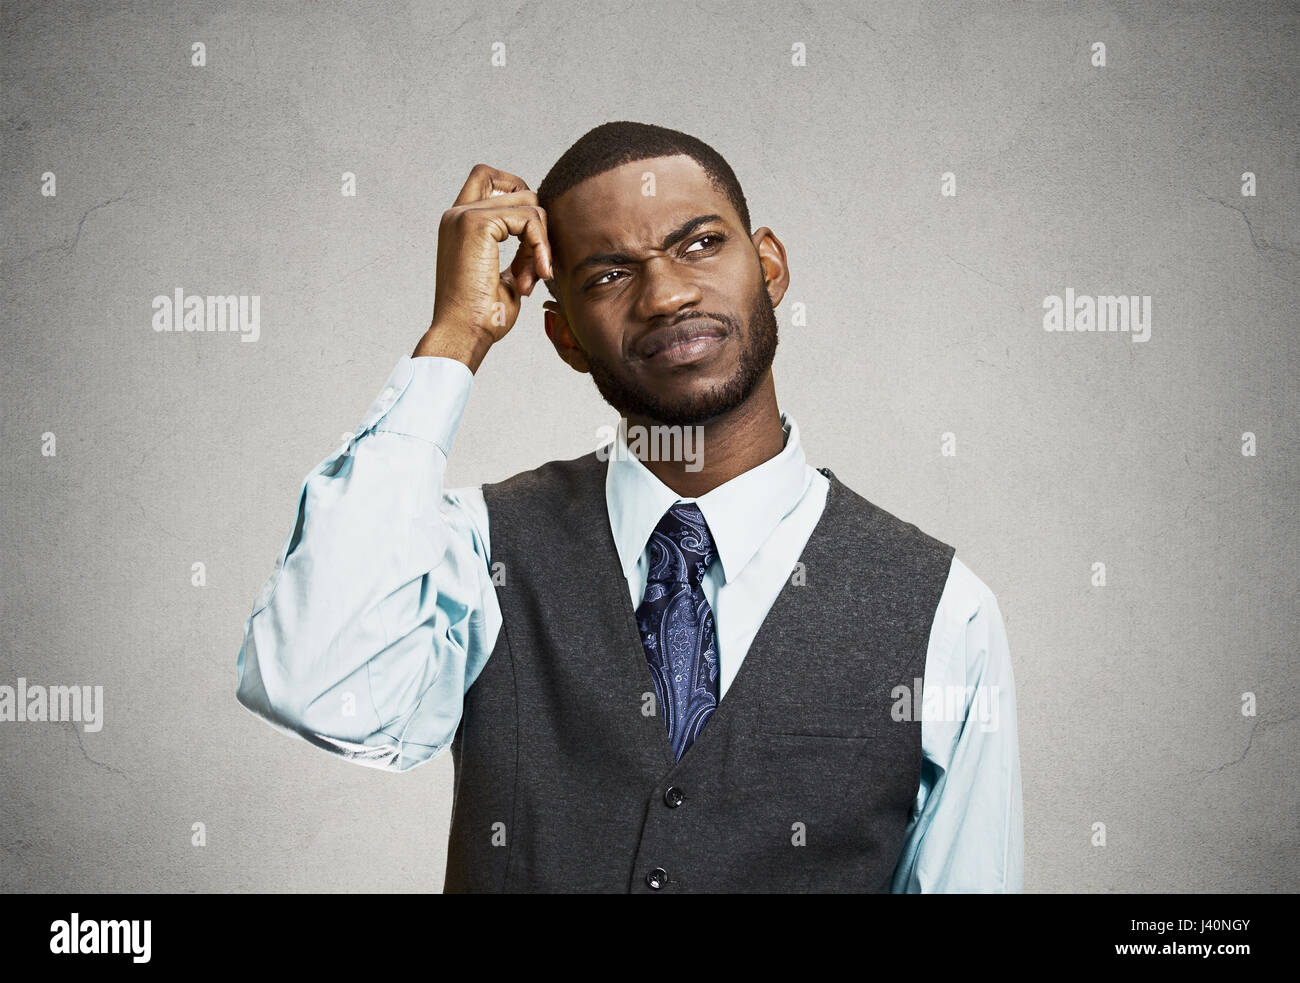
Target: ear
(566, 345)
(771, 256)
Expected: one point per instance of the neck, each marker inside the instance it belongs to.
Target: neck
(738, 441)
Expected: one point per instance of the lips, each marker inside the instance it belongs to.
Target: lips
(661, 339)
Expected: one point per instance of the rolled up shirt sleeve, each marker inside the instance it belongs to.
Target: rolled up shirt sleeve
(380, 611)
(966, 834)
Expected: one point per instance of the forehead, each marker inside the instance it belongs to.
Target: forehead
(632, 206)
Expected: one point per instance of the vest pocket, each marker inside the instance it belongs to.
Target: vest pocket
(821, 719)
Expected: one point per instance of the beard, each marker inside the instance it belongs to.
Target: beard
(758, 349)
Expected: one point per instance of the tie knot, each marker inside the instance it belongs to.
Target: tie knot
(681, 548)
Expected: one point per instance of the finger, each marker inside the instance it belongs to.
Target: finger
(543, 268)
(523, 270)
(508, 200)
(542, 262)
(545, 264)
(539, 246)
(483, 180)
(529, 224)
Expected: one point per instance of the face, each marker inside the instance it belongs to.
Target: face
(667, 300)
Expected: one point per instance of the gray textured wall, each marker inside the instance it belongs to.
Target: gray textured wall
(924, 317)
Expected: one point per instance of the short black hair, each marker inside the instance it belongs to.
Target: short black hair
(612, 145)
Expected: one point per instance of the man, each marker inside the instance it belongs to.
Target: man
(692, 671)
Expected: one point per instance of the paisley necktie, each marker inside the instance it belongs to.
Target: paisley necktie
(676, 624)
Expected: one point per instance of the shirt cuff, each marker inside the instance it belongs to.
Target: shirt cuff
(424, 397)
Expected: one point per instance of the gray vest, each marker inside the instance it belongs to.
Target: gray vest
(800, 781)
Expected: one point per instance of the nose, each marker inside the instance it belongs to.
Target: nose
(665, 288)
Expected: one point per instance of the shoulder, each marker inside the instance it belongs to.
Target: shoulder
(885, 529)
(969, 635)
(552, 476)
(967, 590)
(555, 496)
(966, 595)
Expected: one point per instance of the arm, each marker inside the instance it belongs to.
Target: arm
(380, 612)
(967, 831)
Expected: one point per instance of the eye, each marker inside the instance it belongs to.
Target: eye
(719, 237)
(601, 279)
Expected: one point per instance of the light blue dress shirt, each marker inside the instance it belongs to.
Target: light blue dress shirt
(381, 612)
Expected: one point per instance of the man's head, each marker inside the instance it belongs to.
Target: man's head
(661, 291)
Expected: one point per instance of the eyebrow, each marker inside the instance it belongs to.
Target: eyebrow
(670, 240)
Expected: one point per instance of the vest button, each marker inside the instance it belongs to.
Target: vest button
(657, 878)
(674, 796)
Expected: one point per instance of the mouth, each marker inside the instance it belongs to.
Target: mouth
(680, 342)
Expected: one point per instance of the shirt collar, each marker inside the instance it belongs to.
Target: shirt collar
(741, 513)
